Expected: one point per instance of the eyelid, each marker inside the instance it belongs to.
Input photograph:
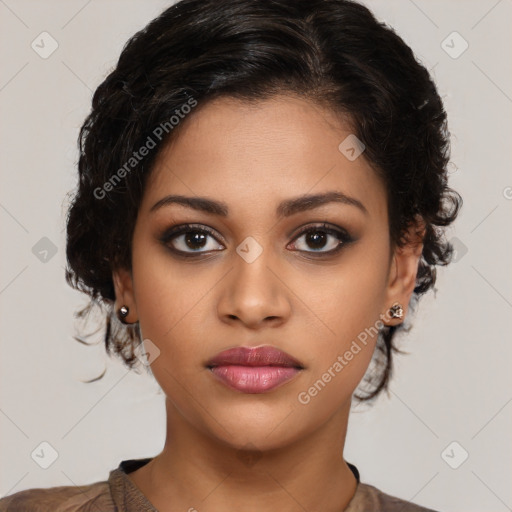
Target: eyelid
(321, 225)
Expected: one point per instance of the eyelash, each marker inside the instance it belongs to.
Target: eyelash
(176, 231)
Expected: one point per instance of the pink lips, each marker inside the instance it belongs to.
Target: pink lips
(254, 370)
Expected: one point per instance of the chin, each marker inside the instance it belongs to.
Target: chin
(254, 432)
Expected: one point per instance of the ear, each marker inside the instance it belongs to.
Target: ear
(123, 285)
(403, 270)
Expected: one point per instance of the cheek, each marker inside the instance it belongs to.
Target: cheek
(353, 295)
(165, 297)
(349, 304)
(171, 301)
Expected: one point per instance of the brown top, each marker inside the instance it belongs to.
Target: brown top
(120, 494)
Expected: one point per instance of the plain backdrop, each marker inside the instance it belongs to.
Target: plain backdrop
(451, 396)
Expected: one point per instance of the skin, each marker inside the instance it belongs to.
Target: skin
(251, 157)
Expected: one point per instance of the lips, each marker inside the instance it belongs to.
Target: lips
(256, 356)
(254, 370)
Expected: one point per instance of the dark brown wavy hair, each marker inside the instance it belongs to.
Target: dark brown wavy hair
(332, 52)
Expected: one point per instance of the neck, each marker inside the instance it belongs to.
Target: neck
(195, 470)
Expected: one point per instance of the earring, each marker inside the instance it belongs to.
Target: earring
(123, 312)
(396, 310)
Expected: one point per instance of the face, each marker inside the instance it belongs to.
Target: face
(310, 278)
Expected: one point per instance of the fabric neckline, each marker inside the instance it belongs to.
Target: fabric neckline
(129, 498)
(130, 465)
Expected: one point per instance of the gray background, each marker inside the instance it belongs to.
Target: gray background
(454, 385)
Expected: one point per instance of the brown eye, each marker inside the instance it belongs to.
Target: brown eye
(321, 239)
(190, 239)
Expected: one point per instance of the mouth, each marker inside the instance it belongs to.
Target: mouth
(256, 356)
(254, 370)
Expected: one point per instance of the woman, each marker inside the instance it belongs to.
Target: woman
(262, 196)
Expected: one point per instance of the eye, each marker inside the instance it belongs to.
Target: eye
(320, 237)
(190, 239)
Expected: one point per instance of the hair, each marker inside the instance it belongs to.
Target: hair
(331, 52)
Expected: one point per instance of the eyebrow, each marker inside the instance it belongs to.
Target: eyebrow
(286, 208)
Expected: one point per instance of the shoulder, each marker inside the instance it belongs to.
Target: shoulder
(368, 498)
(82, 498)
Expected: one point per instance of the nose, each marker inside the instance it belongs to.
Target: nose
(255, 293)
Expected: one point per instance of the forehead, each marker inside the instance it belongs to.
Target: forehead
(261, 153)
